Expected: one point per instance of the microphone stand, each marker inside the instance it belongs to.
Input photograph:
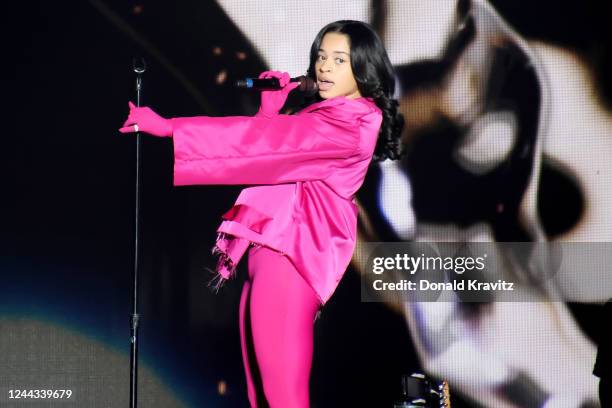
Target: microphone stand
(139, 67)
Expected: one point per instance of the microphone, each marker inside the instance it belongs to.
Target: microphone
(273, 84)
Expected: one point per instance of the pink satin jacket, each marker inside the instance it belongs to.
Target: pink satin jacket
(305, 168)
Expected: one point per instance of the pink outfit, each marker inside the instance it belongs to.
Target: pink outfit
(306, 167)
(300, 220)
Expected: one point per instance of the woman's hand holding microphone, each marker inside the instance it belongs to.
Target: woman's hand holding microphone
(144, 119)
(273, 101)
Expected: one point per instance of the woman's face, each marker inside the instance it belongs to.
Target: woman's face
(333, 68)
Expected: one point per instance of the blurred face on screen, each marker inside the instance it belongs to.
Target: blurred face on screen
(333, 68)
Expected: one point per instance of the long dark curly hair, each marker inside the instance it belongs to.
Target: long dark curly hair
(375, 78)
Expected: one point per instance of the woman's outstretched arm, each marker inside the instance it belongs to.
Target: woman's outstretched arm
(261, 150)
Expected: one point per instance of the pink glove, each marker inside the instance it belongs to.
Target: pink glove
(273, 101)
(145, 120)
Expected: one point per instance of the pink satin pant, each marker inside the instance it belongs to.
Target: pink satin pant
(277, 311)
